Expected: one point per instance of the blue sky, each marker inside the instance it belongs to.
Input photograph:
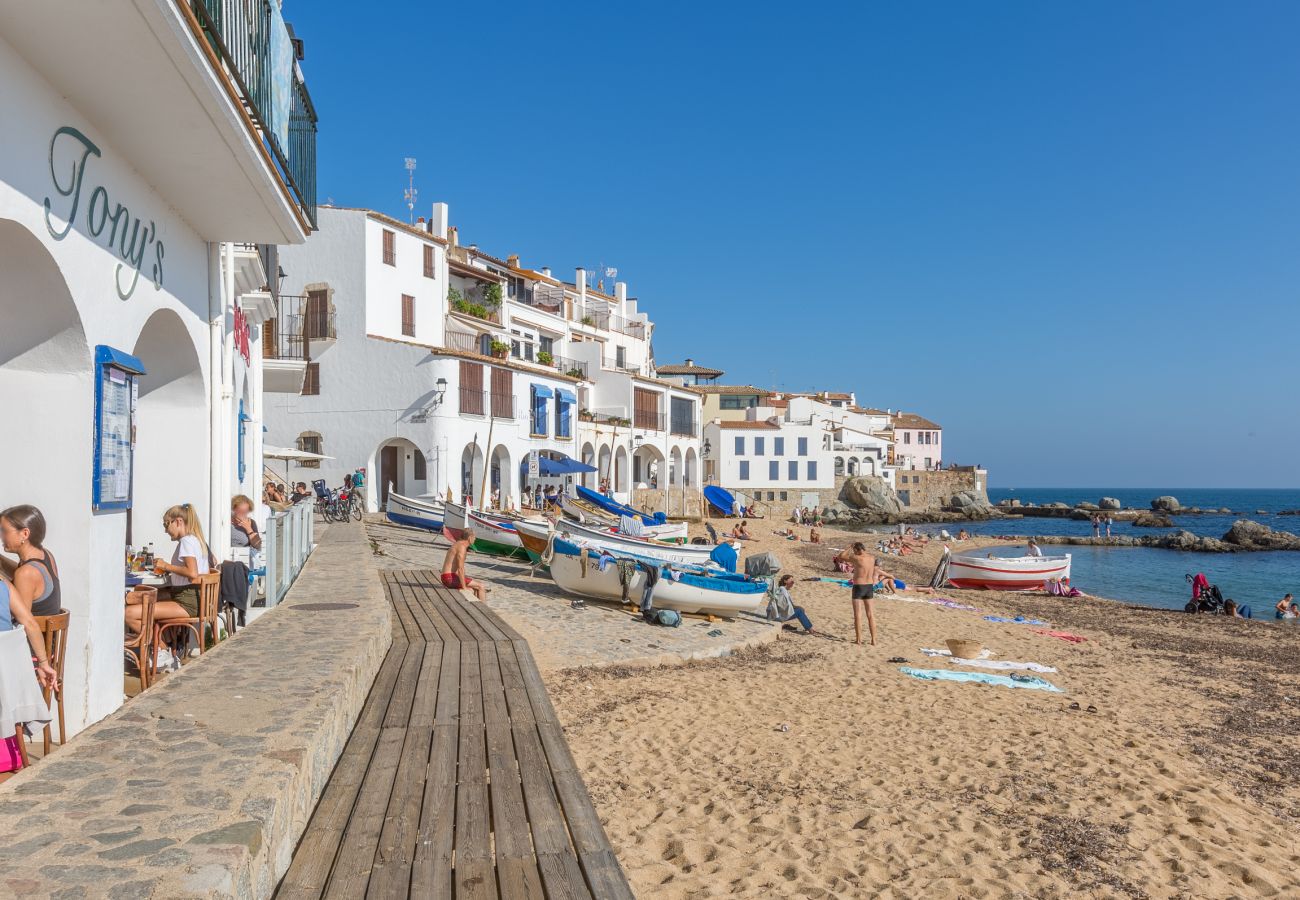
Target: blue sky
(1070, 233)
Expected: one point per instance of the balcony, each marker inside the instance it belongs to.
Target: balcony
(503, 406)
(648, 420)
(684, 427)
(565, 366)
(545, 297)
(284, 336)
(629, 370)
(468, 343)
(473, 401)
(471, 310)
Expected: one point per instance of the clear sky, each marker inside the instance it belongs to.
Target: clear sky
(1068, 232)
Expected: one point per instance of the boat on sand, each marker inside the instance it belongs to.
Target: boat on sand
(1007, 573)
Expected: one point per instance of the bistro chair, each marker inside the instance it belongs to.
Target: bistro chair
(140, 647)
(209, 588)
(55, 630)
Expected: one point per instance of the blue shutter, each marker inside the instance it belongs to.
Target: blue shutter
(774, 471)
(758, 446)
(778, 446)
(740, 446)
(812, 471)
(744, 470)
(794, 470)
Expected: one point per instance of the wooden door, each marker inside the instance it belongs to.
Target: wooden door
(387, 472)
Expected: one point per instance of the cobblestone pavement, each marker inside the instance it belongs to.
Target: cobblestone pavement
(562, 637)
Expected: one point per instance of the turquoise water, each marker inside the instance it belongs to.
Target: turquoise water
(1155, 577)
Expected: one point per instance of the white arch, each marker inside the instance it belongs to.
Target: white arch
(675, 467)
(622, 471)
(648, 466)
(839, 464)
(403, 466)
(588, 456)
(689, 475)
(605, 465)
(471, 473)
(502, 478)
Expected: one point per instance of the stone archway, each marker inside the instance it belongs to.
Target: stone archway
(649, 467)
(689, 474)
(471, 472)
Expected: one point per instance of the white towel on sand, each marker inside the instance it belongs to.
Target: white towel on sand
(985, 663)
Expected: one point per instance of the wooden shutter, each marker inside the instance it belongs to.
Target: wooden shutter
(268, 340)
(311, 380)
(646, 409)
(503, 394)
(408, 315)
(318, 314)
(428, 261)
(471, 388)
(390, 248)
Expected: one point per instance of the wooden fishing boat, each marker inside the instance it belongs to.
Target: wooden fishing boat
(585, 514)
(491, 535)
(534, 536)
(693, 589)
(695, 554)
(413, 512)
(1007, 573)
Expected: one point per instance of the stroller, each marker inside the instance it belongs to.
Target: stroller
(1206, 597)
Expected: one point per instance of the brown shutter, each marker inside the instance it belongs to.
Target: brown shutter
(268, 340)
(408, 315)
(503, 394)
(646, 409)
(428, 261)
(317, 314)
(471, 388)
(311, 380)
(390, 248)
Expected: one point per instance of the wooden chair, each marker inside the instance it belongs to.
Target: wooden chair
(55, 630)
(140, 647)
(209, 589)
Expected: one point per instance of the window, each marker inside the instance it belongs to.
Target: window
(311, 380)
(428, 262)
(783, 496)
(521, 345)
(563, 413)
(541, 393)
(907, 437)
(645, 410)
(503, 394)
(390, 248)
(773, 471)
(620, 357)
(771, 495)
(682, 417)
(318, 315)
(471, 388)
(737, 401)
(812, 471)
(793, 468)
(803, 446)
(744, 470)
(758, 445)
(408, 315)
(778, 446)
(309, 442)
(927, 462)
(740, 445)
(421, 472)
(546, 344)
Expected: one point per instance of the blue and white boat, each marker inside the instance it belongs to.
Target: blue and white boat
(616, 509)
(416, 513)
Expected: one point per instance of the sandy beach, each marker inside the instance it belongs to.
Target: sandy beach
(814, 768)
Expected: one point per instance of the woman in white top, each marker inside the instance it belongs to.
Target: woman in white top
(1032, 549)
(188, 562)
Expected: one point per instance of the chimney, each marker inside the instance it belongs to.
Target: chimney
(546, 270)
(453, 236)
(513, 260)
(580, 280)
(438, 220)
(689, 362)
(419, 223)
(620, 292)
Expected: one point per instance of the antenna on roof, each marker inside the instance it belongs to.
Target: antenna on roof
(410, 192)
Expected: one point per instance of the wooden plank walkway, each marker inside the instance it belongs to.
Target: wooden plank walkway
(457, 781)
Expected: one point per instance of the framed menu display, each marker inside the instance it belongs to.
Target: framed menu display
(117, 393)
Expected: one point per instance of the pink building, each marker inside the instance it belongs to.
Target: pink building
(918, 442)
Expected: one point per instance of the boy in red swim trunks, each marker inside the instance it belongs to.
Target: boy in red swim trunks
(453, 567)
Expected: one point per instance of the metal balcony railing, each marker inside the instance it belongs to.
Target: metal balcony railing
(631, 370)
(651, 421)
(546, 297)
(687, 427)
(566, 366)
(503, 406)
(283, 336)
(258, 55)
(467, 343)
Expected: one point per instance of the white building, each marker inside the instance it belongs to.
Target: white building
(451, 365)
(130, 163)
(918, 442)
(770, 459)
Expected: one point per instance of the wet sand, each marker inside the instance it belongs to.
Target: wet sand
(814, 768)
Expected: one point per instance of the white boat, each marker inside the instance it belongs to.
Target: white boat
(593, 517)
(693, 591)
(692, 554)
(416, 513)
(1007, 573)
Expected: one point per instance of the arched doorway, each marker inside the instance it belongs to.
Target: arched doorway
(675, 467)
(621, 473)
(500, 480)
(589, 458)
(172, 405)
(605, 465)
(689, 475)
(853, 465)
(648, 467)
(471, 472)
(402, 467)
(839, 465)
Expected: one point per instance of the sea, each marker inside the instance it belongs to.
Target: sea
(1153, 577)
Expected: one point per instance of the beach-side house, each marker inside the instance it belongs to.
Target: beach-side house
(142, 193)
(731, 403)
(452, 365)
(689, 374)
(768, 459)
(918, 442)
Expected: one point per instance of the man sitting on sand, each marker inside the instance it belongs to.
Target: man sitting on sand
(862, 587)
(782, 609)
(741, 532)
(453, 567)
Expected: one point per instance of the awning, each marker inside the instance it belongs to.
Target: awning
(565, 465)
(288, 453)
(566, 396)
(110, 356)
(541, 390)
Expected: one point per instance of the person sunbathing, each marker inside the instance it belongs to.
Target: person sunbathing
(815, 535)
(741, 532)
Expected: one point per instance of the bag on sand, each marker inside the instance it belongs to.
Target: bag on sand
(670, 617)
(762, 565)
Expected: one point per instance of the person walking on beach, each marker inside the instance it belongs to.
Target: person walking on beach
(1096, 526)
(453, 567)
(1109, 522)
(862, 587)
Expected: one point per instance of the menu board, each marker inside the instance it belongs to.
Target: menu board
(115, 437)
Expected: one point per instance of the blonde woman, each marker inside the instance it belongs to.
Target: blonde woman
(189, 561)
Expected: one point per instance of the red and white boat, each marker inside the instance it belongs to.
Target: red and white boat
(1007, 573)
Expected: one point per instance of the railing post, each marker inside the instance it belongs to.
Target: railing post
(272, 534)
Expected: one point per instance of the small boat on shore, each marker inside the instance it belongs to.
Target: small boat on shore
(613, 508)
(692, 554)
(413, 512)
(1007, 573)
(690, 589)
(493, 534)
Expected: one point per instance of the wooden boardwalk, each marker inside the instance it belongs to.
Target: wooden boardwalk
(457, 780)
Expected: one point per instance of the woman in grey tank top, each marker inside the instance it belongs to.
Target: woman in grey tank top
(36, 575)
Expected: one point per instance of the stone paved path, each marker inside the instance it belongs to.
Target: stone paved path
(560, 636)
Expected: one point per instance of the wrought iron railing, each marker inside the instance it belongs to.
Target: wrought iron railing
(651, 421)
(630, 370)
(546, 297)
(688, 427)
(245, 34)
(283, 336)
(564, 365)
(466, 343)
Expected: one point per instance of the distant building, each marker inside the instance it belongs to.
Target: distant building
(731, 402)
(918, 442)
(689, 374)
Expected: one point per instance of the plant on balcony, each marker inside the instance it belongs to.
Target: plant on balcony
(586, 415)
(545, 358)
(620, 422)
(588, 320)
(492, 296)
(575, 372)
(500, 349)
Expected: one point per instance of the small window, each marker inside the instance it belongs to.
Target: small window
(771, 495)
(793, 468)
(740, 446)
(803, 446)
(421, 473)
(620, 357)
(408, 315)
(907, 437)
(812, 471)
(309, 442)
(783, 496)
(778, 446)
(773, 471)
(428, 261)
(311, 380)
(744, 470)
(758, 445)
(390, 248)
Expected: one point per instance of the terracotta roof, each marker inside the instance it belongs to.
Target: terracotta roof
(690, 388)
(732, 389)
(689, 370)
(777, 404)
(535, 275)
(912, 420)
(745, 423)
(868, 411)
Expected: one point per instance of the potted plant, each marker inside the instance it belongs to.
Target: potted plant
(492, 295)
(500, 349)
(586, 415)
(545, 358)
(575, 373)
(588, 320)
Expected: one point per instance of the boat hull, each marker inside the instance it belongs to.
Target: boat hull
(1020, 573)
(534, 536)
(691, 554)
(491, 537)
(414, 513)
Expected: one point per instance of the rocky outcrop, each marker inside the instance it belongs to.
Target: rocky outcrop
(1153, 520)
(1166, 504)
(1250, 535)
(971, 504)
(1092, 507)
(868, 493)
(1108, 503)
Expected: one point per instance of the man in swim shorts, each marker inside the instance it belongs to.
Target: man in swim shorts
(453, 567)
(862, 585)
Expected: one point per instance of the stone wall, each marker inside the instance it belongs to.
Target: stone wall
(677, 503)
(929, 491)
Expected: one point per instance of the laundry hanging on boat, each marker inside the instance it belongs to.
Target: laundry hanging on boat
(1012, 681)
(647, 592)
(1018, 620)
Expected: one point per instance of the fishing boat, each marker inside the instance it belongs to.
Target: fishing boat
(592, 517)
(614, 508)
(693, 554)
(413, 512)
(1007, 573)
(491, 535)
(693, 589)
(534, 536)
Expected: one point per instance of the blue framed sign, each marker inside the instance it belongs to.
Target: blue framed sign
(117, 393)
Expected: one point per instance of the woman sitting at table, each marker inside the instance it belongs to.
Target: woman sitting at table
(21, 616)
(36, 574)
(243, 530)
(189, 561)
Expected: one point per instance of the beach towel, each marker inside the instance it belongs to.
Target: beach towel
(950, 604)
(930, 651)
(983, 662)
(1018, 620)
(1018, 681)
(1063, 635)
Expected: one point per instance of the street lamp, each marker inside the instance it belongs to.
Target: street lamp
(440, 390)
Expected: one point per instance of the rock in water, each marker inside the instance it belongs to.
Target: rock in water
(871, 494)
(1086, 505)
(1166, 504)
(1153, 520)
(1108, 503)
(971, 503)
(1253, 536)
